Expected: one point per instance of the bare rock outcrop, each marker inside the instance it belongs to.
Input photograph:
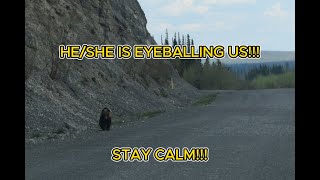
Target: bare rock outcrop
(69, 94)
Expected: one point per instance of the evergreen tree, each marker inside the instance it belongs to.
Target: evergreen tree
(188, 42)
(174, 41)
(183, 41)
(166, 40)
(286, 66)
(179, 40)
(219, 64)
(206, 64)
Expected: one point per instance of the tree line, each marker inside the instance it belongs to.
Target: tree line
(264, 70)
(201, 75)
(181, 39)
(216, 75)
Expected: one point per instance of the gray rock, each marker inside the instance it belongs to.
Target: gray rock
(75, 93)
(70, 125)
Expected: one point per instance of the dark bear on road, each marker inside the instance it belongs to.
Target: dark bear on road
(105, 119)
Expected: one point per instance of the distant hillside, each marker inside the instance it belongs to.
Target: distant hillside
(266, 56)
(241, 69)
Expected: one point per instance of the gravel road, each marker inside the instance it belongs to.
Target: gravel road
(250, 134)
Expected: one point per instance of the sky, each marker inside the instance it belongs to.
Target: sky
(269, 24)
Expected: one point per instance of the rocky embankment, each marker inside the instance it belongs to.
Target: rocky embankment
(66, 96)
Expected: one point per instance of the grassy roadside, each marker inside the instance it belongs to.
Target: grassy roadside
(149, 114)
(286, 80)
(205, 100)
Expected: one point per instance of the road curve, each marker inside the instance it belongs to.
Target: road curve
(250, 134)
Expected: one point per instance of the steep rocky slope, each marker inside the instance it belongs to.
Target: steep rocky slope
(68, 95)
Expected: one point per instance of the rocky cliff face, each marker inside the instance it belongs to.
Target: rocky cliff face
(68, 95)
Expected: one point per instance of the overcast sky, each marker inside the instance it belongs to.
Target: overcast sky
(269, 24)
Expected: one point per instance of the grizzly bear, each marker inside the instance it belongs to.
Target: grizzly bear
(105, 119)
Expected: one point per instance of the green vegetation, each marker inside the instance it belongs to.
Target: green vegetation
(214, 76)
(202, 76)
(179, 64)
(159, 71)
(205, 100)
(149, 114)
(264, 70)
(285, 80)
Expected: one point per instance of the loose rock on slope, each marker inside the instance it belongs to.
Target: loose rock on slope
(67, 95)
